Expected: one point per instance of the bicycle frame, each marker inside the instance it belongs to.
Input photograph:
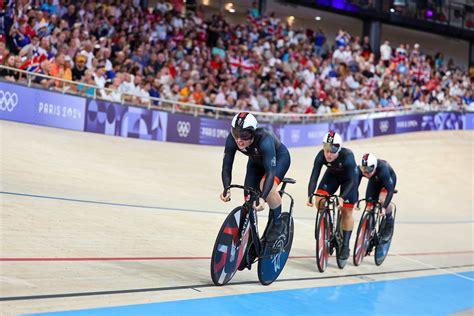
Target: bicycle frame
(374, 208)
(331, 204)
(369, 238)
(247, 207)
(254, 195)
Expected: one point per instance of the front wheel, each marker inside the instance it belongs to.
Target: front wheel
(322, 233)
(363, 238)
(271, 265)
(228, 251)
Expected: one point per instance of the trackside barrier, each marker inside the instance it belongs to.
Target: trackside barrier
(41, 107)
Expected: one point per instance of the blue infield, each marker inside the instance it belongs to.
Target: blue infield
(431, 295)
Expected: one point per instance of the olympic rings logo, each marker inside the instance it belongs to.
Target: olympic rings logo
(8, 101)
(383, 126)
(183, 128)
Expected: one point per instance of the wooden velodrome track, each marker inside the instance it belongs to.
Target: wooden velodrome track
(89, 220)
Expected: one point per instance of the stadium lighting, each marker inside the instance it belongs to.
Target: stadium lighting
(290, 20)
(317, 18)
(230, 7)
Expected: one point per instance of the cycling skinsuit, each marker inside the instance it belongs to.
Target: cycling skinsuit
(342, 172)
(383, 180)
(268, 158)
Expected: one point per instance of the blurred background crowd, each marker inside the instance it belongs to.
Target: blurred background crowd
(262, 65)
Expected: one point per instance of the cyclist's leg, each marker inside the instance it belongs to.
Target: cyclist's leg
(372, 192)
(255, 172)
(388, 228)
(389, 220)
(283, 162)
(347, 220)
(274, 198)
(377, 192)
(383, 196)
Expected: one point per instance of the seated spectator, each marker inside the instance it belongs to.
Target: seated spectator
(86, 87)
(79, 68)
(99, 76)
(4, 52)
(61, 68)
(8, 74)
(45, 69)
(111, 91)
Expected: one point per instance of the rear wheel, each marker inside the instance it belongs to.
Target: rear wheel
(363, 238)
(270, 265)
(341, 263)
(228, 252)
(381, 251)
(322, 233)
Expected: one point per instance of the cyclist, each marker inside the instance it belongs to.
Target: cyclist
(268, 163)
(341, 172)
(381, 186)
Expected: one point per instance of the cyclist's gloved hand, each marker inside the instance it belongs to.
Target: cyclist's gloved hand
(260, 206)
(310, 202)
(226, 197)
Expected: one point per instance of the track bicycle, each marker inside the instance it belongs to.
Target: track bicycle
(238, 244)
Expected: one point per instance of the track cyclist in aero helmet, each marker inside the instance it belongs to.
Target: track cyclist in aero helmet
(267, 165)
(341, 172)
(381, 186)
(243, 128)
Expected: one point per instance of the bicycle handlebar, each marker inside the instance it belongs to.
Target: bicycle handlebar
(254, 192)
(374, 202)
(327, 197)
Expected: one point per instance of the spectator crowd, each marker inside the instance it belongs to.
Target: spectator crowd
(261, 65)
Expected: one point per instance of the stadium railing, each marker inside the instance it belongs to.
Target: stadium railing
(26, 78)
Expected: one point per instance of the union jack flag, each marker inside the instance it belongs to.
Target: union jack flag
(33, 64)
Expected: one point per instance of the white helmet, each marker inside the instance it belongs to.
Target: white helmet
(369, 163)
(244, 125)
(332, 142)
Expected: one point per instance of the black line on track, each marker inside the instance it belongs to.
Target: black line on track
(163, 208)
(199, 286)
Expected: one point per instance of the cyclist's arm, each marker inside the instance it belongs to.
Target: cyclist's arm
(228, 161)
(318, 164)
(267, 147)
(389, 185)
(353, 174)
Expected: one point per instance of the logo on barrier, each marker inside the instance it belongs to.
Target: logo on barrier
(8, 101)
(383, 126)
(295, 135)
(183, 128)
